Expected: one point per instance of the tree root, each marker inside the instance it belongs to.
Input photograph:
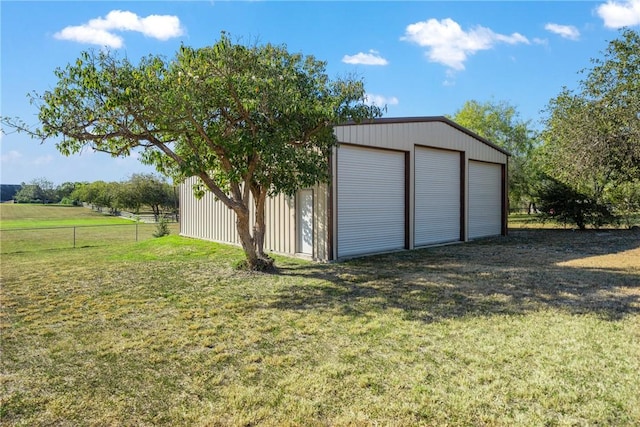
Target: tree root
(263, 264)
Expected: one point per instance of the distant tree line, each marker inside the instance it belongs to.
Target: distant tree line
(139, 192)
(41, 190)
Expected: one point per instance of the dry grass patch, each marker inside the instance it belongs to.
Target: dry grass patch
(625, 260)
(166, 332)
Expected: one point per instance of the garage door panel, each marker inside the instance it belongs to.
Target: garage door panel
(437, 196)
(371, 201)
(485, 199)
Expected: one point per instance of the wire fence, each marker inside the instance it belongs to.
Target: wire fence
(45, 238)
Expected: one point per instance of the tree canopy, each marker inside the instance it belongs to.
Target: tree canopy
(38, 190)
(248, 121)
(592, 135)
(500, 123)
(148, 190)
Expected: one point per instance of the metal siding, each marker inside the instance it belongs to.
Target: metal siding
(278, 223)
(321, 227)
(371, 201)
(485, 199)
(437, 196)
(209, 219)
(403, 136)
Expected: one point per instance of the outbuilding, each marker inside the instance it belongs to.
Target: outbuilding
(396, 183)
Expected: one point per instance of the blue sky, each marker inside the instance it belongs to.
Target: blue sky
(420, 58)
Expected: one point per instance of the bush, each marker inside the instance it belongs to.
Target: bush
(70, 201)
(561, 203)
(162, 228)
(625, 198)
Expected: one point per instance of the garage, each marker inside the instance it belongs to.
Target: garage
(393, 184)
(371, 201)
(437, 196)
(485, 199)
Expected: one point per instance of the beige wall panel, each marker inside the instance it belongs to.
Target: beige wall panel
(205, 218)
(403, 136)
(211, 220)
(321, 229)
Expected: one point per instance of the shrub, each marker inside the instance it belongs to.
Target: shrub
(559, 202)
(162, 228)
(625, 199)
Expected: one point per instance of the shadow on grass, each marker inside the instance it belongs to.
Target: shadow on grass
(505, 275)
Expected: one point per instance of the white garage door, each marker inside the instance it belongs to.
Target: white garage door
(371, 201)
(485, 199)
(437, 196)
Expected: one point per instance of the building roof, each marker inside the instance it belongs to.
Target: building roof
(425, 119)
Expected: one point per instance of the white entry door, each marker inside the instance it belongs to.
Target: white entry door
(305, 222)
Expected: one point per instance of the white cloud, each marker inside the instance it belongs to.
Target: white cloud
(567, 31)
(538, 40)
(43, 160)
(616, 14)
(11, 156)
(379, 100)
(100, 31)
(450, 45)
(84, 34)
(371, 58)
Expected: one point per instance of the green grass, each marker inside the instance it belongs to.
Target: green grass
(523, 220)
(14, 216)
(539, 328)
(28, 228)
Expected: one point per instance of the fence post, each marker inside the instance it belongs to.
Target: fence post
(136, 231)
(74, 237)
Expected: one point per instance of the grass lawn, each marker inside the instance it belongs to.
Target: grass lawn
(41, 216)
(523, 220)
(538, 328)
(32, 227)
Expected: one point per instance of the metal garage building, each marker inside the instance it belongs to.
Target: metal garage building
(396, 184)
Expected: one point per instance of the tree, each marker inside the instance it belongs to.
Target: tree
(39, 190)
(248, 121)
(100, 194)
(80, 192)
(148, 190)
(28, 193)
(64, 192)
(499, 123)
(625, 198)
(564, 204)
(592, 135)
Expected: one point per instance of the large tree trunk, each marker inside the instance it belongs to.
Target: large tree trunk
(244, 232)
(253, 246)
(260, 197)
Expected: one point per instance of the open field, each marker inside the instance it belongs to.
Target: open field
(39, 216)
(538, 328)
(29, 227)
